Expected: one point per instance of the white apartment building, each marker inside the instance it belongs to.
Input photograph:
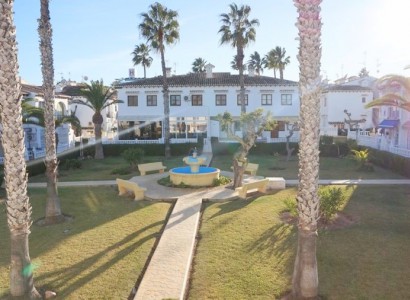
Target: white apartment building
(196, 99)
(337, 101)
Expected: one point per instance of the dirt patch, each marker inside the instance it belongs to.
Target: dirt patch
(340, 221)
(65, 218)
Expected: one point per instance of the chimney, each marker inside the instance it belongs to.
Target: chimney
(251, 71)
(168, 72)
(208, 70)
(131, 72)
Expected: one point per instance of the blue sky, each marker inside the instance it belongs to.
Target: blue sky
(95, 38)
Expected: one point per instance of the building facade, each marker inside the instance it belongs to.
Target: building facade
(196, 100)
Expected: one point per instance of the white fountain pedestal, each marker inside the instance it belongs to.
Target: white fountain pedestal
(194, 162)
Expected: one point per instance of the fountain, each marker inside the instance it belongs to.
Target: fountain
(194, 174)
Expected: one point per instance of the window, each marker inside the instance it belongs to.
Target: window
(175, 100)
(363, 99)
(220, 100)
(132, 100)
(196, 100)
(266, 99)
(238, 98)
(286, 99)
(151, 100)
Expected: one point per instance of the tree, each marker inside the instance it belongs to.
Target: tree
(257, 62)
(305, 278)
(393, 82)
(234, 64)
(271, 61)
(255, 123)
(238, 31)
(17, 201)
(282, 59)
(363, 73)
(160, 27)
(97, 97)
(53, 207)
(141, 57)
(198, 66)
(292, 127)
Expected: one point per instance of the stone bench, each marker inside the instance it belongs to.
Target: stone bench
(259, 185)
(125, 186)
(276, 183)
(150, 167)
(250, 168)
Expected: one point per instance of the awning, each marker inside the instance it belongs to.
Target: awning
(389, 123)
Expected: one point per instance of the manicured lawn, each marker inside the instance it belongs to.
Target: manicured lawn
(330, 168)
(97, 255)
(246, 252)
(94, 169)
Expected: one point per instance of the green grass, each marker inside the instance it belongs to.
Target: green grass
(246, 252)
(330, 168)
(97, 255)
(95, 169)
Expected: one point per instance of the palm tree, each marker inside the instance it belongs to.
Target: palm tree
(271, 61)
(160, 27)
(53, 207)
(17, 201)
(257, 63)
(305, 277)
(393, 98)
(198, 66)
(282, 59)
(97, 97)
(234, 64)
(141, 57)
(238, 31)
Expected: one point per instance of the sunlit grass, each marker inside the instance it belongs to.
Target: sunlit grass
(330, 168)
(97, 255)
(246, 252)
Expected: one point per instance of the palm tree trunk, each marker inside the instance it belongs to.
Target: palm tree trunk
(53, 208)
(99, 153)
(305, 277)
(165, 94)
(240, 57)
(17, 202)
(281, 73)
(145, 71)
(274, 72)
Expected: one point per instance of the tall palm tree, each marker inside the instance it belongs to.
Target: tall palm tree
(160, 27)
(141, 57)
(97, 97)
(238, 31)
(234, 64)
(282, 59)
(17, 201)
(393, 98)
(257, 62)
(271, 61)
(305, 277)
(198, 66)
(53, 207)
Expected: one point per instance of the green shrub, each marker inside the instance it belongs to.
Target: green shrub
(326, 140)
(393, 162)
(362, 159)
(331, 200)
(73, 163)
(121, 171)
(133, 156)
(291, 206)
(222, 180)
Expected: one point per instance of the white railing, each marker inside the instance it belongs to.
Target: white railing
(184, 141)
(131, 142)
(268, 140)
(381, 143)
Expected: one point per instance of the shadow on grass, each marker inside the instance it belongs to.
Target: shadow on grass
(59, 277)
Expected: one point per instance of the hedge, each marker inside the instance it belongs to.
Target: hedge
(390, 161)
